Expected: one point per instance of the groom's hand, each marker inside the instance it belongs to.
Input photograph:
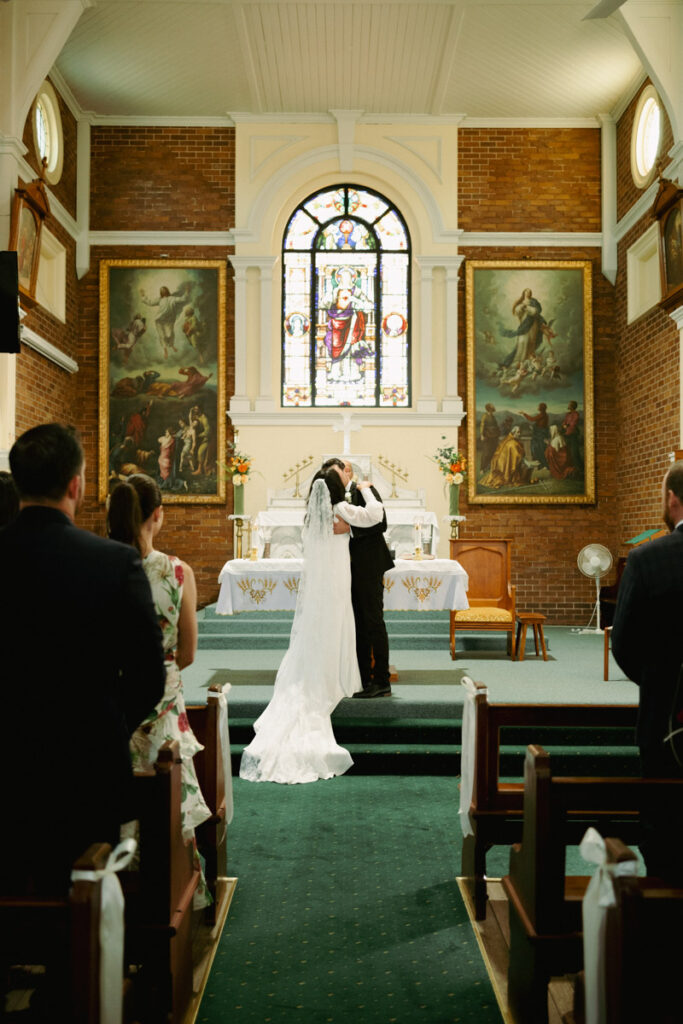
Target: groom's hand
(339, 526)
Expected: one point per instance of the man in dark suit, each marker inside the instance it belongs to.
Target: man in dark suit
(370, 559)
(647, 642)
(83, 665)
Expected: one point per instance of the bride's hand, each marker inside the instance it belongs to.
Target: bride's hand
(363, 483)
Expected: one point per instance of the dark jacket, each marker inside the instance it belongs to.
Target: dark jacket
(82, 666)
(647, 635)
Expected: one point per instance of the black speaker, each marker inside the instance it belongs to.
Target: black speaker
(9, 302)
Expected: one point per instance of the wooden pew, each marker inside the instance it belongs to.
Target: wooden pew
(159, 895)
(209, 764)
(642, 951)
(62, 934)
(544, 905)
(496, 807)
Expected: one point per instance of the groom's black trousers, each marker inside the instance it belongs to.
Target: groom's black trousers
(367, 596)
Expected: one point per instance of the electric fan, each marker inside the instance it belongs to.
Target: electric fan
(594, 561)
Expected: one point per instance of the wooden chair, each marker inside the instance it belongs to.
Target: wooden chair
(490, 594)
(544, 905)
(159, 895)
(209, 765)
(496, 810)
(62, 933)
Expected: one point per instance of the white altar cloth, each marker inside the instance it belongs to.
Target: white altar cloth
(270, 584)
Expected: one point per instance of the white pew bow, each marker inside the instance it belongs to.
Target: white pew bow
(111, 929)
(598, 898)
(467, 755)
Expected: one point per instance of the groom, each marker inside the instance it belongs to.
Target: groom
(370, 559)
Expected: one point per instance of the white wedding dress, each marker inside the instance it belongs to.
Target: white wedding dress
(294, 741)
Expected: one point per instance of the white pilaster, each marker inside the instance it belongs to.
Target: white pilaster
(265, 401)
(83, 198)
(452, 402)
(239, 402)
(608, 163)
(425, 401)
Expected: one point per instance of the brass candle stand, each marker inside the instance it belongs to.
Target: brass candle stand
(296, 470)
(395, 471)
(239, 531)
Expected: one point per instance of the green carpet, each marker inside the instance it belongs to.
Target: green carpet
(347, 909)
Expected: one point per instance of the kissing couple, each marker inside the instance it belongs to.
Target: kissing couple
(338, 628)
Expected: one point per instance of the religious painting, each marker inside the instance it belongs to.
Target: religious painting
(530, 382)
(162, 376)
(346, 308)
(29, 209)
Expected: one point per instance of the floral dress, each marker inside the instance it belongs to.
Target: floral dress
(169, 720)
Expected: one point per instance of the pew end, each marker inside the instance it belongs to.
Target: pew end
(60, 933)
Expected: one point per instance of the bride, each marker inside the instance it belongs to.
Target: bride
(294, 741)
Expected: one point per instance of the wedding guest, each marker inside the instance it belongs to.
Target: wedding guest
(9, 499)
(135, 517)
(82, 667)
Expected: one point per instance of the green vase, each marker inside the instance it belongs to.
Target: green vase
(238, 500)
(454, 499)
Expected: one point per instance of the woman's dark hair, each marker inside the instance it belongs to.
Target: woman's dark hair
(334, 482)
(131, 503)
(9, 499)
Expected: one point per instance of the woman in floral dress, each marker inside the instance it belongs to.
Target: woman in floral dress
(135, 517)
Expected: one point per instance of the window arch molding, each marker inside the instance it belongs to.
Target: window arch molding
(346, 304)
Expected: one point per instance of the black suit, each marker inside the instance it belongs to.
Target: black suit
(647, 642)
(370, 559)
(83, 665)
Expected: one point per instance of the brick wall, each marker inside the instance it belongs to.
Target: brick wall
(162, 179)
(520, 179)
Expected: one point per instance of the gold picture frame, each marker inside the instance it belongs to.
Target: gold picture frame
(530, 382)
(29, 209)
(162, 376)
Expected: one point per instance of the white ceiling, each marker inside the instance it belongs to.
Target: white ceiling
(477, 58)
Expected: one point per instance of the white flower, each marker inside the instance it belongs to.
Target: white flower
(458, 478)
(237, 480)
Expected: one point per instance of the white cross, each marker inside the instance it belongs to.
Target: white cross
(347, 427)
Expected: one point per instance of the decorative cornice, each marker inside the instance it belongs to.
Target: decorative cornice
(47, 349)
(157, 120)
(218, 238)
(530, 122)
(330, 417)
(533, 239)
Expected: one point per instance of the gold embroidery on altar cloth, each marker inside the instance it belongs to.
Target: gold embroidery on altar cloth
(292, 584)
(257, 589)
(421, 593)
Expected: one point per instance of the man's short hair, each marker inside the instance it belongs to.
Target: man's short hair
(333, 462)
(674, 480)
(45, 459)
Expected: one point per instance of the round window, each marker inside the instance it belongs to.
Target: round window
(646, 137)
(47, 132)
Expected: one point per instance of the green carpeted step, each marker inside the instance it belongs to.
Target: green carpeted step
(269, 640)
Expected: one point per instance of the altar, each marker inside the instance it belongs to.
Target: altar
(271, 584)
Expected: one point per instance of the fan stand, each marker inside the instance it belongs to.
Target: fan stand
(594, 615)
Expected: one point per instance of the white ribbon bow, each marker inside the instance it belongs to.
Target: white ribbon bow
(467, 755)
(598, 898)
(111, 929)
(224, 734)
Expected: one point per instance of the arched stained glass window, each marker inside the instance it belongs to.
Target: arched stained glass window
(346, 302)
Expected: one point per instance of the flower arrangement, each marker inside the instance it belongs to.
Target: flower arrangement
(451, 463)
(238, 466)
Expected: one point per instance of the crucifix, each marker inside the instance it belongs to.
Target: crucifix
(347, 427)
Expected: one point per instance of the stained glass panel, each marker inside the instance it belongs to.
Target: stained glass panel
(325, 205)
(301, 231)
(392, 234)
(346, 305)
